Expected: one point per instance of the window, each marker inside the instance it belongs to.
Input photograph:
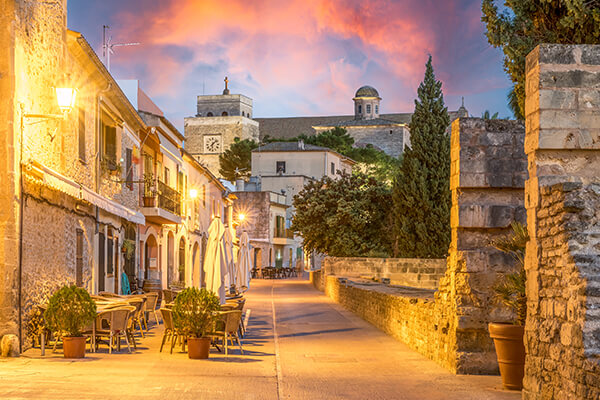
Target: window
(332, 168)
(279, 226)
(209, 114)
(81, 134)
(204, 196)
(109, 136)
(224, 114)
(368, 108)
(129, 168)
(167, 176)
(376, 109)
(243, 114)
(359, 109)
(280, 167)
(79, 259)
(101, 274)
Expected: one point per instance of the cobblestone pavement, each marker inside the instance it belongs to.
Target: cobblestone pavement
(299, 345)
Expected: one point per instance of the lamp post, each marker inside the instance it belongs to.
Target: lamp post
(65, 97)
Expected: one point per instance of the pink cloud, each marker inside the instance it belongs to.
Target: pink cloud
(312, 54)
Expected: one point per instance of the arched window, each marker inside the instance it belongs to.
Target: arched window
(359, 109)
(209, 114)
(181, 260)
(243, 114)
(249, 115)
(224, 114)
(368, 109)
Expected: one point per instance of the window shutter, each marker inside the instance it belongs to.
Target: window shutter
(81, 134)
(129, 168)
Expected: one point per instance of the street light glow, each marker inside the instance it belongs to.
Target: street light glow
(193, 193)
(65, 97)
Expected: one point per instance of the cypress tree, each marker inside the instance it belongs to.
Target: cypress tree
(421, 192)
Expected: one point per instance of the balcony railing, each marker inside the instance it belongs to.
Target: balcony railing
(283, 233)
(168, 198)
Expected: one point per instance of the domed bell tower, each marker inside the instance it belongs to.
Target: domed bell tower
(366, 103)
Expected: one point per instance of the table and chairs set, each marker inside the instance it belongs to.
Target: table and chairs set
(230, 324)
(274, 272)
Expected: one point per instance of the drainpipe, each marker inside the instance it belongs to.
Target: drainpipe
(21, 210)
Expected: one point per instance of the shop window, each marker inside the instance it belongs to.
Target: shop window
(280, 167)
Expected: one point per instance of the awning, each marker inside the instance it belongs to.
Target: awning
(59, 182)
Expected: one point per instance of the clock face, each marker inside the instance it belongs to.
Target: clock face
(212, 144)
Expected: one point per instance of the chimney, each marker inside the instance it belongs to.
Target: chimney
(239, 185)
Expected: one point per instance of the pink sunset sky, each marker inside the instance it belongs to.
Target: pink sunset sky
(298, 58)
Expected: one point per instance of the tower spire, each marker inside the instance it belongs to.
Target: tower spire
(226, 90)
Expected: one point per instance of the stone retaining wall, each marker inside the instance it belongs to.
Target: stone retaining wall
(409, 315)
(562, 332)
(412, 272)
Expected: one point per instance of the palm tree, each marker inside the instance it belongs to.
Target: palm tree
(486, 115)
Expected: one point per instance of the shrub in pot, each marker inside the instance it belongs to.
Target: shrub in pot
(70, 310)
(194, 314)
(510, 291)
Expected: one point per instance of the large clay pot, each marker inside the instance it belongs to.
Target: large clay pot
(198, 348)
(74, 347)
(508, 340)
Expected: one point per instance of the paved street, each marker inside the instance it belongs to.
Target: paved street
(314, 350)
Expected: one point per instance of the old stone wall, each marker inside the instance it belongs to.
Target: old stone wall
(9, 207)
(562, 332)
(487, 177)
(50, 224)
(412, 272)
(222, 129)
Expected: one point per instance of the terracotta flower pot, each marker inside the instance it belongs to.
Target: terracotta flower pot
(198, 347)
(74, 347)
(508, 340)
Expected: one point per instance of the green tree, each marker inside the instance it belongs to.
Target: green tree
(526, 23)
(235, 162)
(487, 115)
(344, 217)
(421, 192)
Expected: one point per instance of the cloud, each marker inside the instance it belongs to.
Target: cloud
(303, 56)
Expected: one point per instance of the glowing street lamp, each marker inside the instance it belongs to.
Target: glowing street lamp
(241, 217)
(193, 193)
(65, 97)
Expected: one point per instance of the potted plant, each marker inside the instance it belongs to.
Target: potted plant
(194, 314)
(510, 291)
(70, 310)
(149, 189)
(128, 248)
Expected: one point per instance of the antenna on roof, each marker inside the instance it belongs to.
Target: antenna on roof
(107, 46)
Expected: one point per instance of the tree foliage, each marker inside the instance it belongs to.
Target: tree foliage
(526, 23)
(235, 162)
(421, 192)
(344, 217)
(371, 161)
(511, 289)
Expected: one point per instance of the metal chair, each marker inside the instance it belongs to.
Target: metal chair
(117, 327)
(230, 322)
(170, 331)
(151, 302)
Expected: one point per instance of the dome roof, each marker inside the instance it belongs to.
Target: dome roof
(367, 91)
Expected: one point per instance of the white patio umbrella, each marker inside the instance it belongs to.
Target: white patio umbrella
(244, 264)
(230, 263)
(215, 262)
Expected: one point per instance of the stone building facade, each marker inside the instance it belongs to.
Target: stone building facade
(562, 332)
(368, 126)
(219, 120)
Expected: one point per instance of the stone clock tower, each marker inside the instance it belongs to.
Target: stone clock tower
(218, 121)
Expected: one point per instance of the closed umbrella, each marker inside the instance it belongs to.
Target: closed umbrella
(215, 262)
(244, 265)
(230, 263)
